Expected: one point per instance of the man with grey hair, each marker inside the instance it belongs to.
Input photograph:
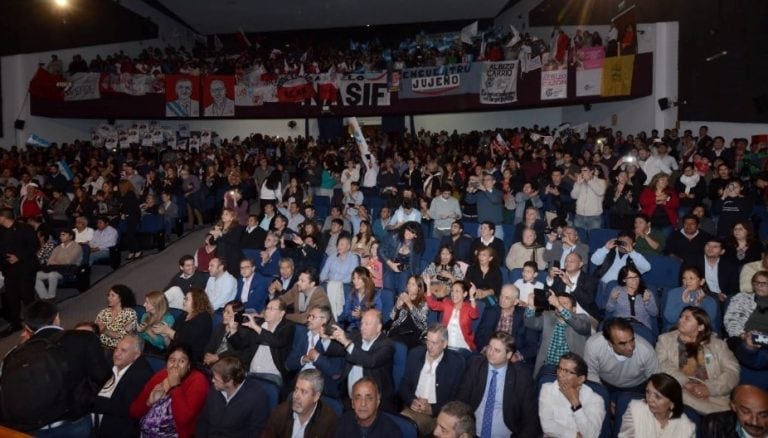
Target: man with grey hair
(304, 415)
(130, 372)
(221, 105)
(455, 420)
(430, 378)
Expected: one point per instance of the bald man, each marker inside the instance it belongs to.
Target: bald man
(748, 416)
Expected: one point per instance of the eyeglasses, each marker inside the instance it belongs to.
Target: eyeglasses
(276, 309)
(634, 277)
(566, 370)
(760, 283)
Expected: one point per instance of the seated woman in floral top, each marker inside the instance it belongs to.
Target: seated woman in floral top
(119, 318)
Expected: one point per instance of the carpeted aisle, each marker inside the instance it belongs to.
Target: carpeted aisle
(149, 273)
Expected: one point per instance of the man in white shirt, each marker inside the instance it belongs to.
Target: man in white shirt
(104, 238)
(222, 286)
(568, 407)
(83, 233)
(659, 163)
(430, 379)
(295, 218)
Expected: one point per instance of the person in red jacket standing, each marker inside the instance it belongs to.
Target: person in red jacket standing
(659, 202)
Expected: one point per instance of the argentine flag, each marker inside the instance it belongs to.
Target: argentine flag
(36, 140)
(65, 170)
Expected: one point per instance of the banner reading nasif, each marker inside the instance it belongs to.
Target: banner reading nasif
(554, 84)
(498, 82)
(441, 80)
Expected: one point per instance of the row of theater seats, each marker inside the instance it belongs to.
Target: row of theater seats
(407, 426)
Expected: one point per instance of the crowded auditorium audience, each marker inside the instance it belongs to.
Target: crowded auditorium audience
(595, 304)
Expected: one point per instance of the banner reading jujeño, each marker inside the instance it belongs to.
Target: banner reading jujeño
(441, 80)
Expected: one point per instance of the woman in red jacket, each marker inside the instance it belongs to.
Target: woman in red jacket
(457, 314)
(171, 401)
(659, 202)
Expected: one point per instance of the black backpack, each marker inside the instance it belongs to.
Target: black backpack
(32, 389)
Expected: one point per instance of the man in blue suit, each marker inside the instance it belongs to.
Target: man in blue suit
(316, 350)
(250, 290)
(431, 379)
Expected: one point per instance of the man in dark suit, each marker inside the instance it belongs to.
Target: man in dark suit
(285, 281)
(556, 250)
(318, 418)
(747, 417)
(267, 343)
(84, 368)
(487, 239)
(430, 379)
(497, 318)
(495, 380)
(316, 350)
(369, 355)
(130, 372)
(238, 407)
(721, 273)
(253, 236)
(18, 260)
(460, 242)
(250, 291)
(572, 280)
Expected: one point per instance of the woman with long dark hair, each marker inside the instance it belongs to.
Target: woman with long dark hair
(693, 292)
(409, 316)
(401, 255)
(227, 236)
(362, 297)
(131, 214)
(742, 245)
(632, 299)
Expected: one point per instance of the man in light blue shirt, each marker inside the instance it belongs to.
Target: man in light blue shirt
(339, 267)
(222, 286)
(104, 238)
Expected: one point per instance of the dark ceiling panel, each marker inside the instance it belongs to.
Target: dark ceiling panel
(28, 26)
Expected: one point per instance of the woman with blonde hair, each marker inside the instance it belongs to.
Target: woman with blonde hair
(156, 312)
(227, 234)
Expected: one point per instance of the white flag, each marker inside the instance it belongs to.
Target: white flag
(358, 136)
(515, 36)
(469, 32)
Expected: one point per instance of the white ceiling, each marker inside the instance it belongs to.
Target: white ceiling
(226, 16)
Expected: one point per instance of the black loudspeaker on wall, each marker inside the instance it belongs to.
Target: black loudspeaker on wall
(19, 124)
(663, 103)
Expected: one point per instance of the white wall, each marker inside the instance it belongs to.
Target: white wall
(18, 70)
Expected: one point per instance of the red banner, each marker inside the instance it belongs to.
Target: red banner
(294, 90)
(47, 86)
(182, 96)
(218, 96)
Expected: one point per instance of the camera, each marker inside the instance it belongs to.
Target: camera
(620, 243)
(549, 230)
(540, 299)
(328, 329)
(760, 338)
(442, 278)
(288, 235)
(240, 318)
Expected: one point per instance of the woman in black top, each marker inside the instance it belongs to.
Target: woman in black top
(193, 327)
(227, 234)
(485, 275)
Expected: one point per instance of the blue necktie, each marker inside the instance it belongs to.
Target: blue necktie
(490, 401)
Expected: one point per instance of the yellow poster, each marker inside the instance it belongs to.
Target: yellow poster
(617, 76)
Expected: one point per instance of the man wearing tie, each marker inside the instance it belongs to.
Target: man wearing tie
(501, 393)
(316, 350)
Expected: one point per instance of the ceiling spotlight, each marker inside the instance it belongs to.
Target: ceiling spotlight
(61, 3)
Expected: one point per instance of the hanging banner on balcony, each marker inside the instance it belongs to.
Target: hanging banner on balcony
(218, 96)
(589, 70)
(554, 84)
(617, 76)
(498, 82)
(444, 80)
(182, 96)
